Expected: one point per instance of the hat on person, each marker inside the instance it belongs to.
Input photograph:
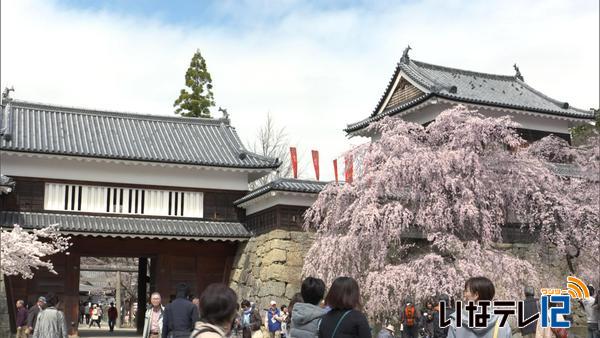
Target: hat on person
(390, 327)
(42, 299)
(273, 302)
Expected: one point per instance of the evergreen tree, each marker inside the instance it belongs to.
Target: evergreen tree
(197, 102)
(581, 133)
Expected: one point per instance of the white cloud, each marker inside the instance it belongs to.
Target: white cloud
(315, 71)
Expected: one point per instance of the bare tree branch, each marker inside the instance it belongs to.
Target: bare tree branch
(272, 141)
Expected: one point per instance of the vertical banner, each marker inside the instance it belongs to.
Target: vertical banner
(349, 169)
(315, 157)
(335, 171)
(294, 158)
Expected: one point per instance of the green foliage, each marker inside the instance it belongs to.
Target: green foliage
(581, 133)
(197, 102)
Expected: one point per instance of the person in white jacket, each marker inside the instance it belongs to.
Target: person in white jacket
(51, 322)
(153, 319)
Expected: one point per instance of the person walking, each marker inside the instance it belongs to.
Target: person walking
(409, 318)
(550, 332)
(100, 312)
(531, 306)
(86, 311)
(345, 320)
(51, 322)
(88, 307)
(307, 314)
(153, 319)
(219, 308)
(180, 315)
(590, 306)
(32, 315)
(427, 319)
(95, 316)
(273, 320)
(386, 332)
(478, 289)
(21, 319)
(250, 321)
(284, 317)
(81, 312)
(296, 298)
(438, 331)
(113, 314)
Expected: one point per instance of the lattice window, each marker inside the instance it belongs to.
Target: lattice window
(87, 198)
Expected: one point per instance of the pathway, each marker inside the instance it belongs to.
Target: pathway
(103, 332)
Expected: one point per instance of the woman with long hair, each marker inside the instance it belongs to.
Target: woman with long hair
(345, 320)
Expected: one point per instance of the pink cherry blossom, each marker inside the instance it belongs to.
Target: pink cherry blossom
(430, 205)
(22, 252)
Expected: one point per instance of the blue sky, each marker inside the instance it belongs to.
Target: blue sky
(234, 15)
(315, 66)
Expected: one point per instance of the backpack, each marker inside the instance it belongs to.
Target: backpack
(204, 330)
(409, 316)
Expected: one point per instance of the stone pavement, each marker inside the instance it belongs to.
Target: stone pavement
(103, 332)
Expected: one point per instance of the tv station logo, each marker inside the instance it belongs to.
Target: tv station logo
(553, 303)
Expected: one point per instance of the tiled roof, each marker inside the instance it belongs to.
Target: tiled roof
(116, 226)
(37, 128)
(389, 112)
(285, 184)
(471, 87)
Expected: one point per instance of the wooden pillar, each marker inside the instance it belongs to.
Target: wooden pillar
(141, 296)
(70, 299)
(10, 302)
(118, 298)
(162, 277)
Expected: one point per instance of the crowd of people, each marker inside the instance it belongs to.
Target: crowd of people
(311, 314)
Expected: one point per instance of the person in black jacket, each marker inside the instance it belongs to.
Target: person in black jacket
(345, 320)
(33, 314)
(442, 332)
(181, 315)
(530, 307)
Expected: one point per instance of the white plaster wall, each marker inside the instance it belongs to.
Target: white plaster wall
(534, 122)
(280, 198)
(428, 111)
(121, 172)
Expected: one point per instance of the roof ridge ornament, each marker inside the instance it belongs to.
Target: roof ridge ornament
(518, 73)
(405, 58)
(225, 117)
(6, 94)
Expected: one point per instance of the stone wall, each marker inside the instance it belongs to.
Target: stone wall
(4, 318)
(553, 266)
(269, 266)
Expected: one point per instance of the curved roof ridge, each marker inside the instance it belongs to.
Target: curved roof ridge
(464, 71)
(115, 114)
(387, 88)
(284, 184)
(559, 104)
(299, 180)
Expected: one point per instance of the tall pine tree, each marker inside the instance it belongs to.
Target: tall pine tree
(197, 102)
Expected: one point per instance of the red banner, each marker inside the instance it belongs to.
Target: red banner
(315, 156)
(349, 168)
(335, 172)
(294, 158)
